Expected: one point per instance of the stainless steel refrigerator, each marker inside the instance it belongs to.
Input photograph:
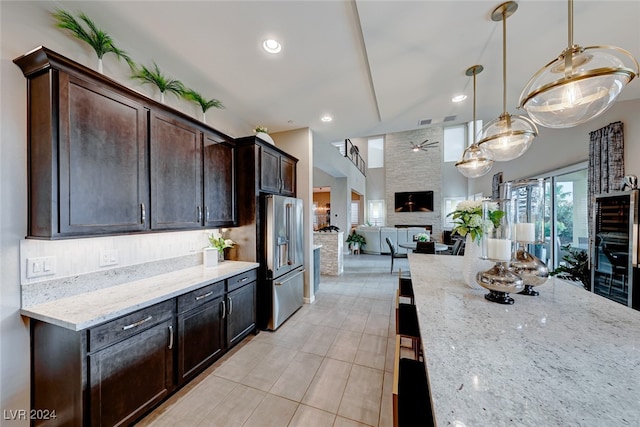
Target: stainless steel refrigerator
(284, 241)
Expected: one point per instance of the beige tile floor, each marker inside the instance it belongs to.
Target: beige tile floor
(330, 364)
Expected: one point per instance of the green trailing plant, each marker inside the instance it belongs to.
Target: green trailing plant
(205, 104)
(99, 40)
(162, 82)
(575, 267)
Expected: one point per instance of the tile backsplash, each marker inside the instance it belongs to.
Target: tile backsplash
(46, 260)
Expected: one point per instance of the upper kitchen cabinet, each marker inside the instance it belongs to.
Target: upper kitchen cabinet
(105, 159)
(219, 181)
(87, 141)
(176, 174)
(275, 170)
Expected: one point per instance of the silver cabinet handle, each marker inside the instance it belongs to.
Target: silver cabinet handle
(230, 306)
(208, 294)
(206, 213)
(224, 309)
(170, 337)
(138, 323)
(199, 214)
(244, 279)
(143, 213)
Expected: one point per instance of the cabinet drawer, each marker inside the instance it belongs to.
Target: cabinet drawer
(240, 280)
(131, 324)
(200, 296)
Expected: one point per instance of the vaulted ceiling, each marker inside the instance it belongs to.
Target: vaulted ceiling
(374, 66)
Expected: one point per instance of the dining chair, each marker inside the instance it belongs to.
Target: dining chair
(425, 248)
(394, 253)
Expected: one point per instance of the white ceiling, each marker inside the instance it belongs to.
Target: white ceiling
(375, 66)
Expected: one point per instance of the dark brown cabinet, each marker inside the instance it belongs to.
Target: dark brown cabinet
(115, 372)
(104, 159)
(277, 172)
(87, 154)
(241, 307)
(201, 329)
(219, 181)
(130, 377)
(176, 174)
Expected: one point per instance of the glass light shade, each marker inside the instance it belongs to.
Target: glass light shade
(476, 162)
(508, 137)
(579, 85)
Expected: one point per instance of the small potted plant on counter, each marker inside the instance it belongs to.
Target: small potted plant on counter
(214, 253)
(356, 241)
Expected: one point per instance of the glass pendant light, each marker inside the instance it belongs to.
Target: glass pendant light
(507, 137)
(580, 84)
(476, 161)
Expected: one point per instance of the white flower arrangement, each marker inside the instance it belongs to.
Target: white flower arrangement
(468, 218)
(220, 243)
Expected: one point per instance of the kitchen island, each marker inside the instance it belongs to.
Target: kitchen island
(566, 357)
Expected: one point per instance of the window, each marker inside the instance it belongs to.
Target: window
(376, 212)
(566, 213)
(375, 153)
(449, 205)
(454, 143)
(355, 212)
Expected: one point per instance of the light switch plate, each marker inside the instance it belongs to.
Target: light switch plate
(108, 257)
(41, 266)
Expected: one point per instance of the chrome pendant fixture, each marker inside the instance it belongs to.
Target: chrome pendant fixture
(507, 137)
(476, 161)
(580, 84)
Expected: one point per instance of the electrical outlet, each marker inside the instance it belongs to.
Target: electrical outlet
(41, 266)
(108, 257)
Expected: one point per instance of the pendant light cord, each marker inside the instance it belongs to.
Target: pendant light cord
(504, 60)
(474, 107)
(570, 23)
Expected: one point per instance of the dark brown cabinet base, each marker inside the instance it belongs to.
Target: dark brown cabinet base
(116, 372)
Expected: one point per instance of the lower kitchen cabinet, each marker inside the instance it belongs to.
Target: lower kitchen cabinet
(114, 373)
(201, 329)
(241, 317)
(129, 378)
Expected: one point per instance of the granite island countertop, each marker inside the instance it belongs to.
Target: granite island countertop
(88, 309)
(567, 357)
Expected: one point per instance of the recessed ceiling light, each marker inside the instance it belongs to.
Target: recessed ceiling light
(458, 98)
(272, 46)
(326, 118)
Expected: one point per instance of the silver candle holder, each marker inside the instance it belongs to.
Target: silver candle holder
(497, 241)
(528, 204)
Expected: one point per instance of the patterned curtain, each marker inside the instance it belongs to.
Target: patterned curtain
(606, 161)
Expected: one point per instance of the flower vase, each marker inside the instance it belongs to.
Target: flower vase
(472, 264)
(210, 257)
(100, 70)
(221, 256)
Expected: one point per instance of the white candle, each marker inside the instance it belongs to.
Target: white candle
(499, 249)
(525, 232)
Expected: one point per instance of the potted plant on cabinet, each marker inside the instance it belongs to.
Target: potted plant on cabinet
(356, 241)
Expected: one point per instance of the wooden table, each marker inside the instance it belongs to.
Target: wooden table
(565, 358)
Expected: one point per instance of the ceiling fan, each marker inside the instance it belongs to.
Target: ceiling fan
(424, 146)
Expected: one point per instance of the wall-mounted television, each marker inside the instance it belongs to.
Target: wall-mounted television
(414, 201)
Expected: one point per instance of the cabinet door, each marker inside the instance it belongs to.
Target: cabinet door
(201, 338)
(176, 178)
(219, 182)
(103, 168)
(130, 377)
(241, 313)
(269, 171)
(288, 176)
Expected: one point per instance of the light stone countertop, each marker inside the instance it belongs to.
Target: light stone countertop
(92, 308)
(567, 357)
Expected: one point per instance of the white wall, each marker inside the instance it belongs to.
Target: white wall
(299, 143)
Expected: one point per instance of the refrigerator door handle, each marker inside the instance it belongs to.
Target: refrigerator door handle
(290, 238)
